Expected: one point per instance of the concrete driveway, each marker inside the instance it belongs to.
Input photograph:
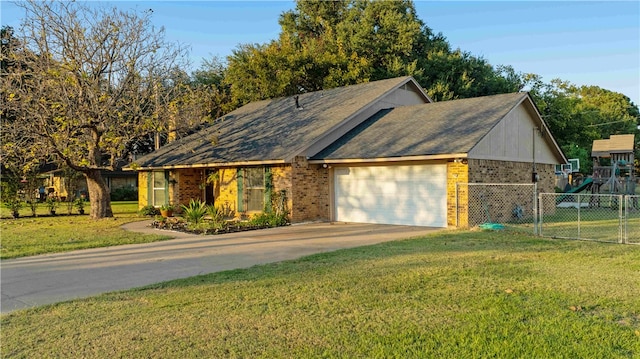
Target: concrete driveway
(33, 281)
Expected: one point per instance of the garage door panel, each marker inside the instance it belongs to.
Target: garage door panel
(411, 195)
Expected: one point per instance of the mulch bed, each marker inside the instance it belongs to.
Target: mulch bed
(178, 224)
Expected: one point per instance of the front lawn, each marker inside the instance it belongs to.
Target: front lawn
(449, 295)
(27, 236)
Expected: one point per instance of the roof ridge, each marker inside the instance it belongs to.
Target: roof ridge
(521, 93)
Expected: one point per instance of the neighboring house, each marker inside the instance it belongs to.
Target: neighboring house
(59, 184)
(378, 152)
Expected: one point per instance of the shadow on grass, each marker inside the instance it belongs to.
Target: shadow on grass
(453, 243)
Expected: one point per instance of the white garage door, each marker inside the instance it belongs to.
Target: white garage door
(408, 195)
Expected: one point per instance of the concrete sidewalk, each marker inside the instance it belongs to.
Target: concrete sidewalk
(33, 281)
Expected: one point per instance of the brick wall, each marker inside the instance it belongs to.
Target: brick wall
(490, 171)
(500, 200)
(186, 185)
(309, 191)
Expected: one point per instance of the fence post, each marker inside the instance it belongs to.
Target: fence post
(620, 219)
(625, 238)
(579, 208)
(535, 209)
(540, 214)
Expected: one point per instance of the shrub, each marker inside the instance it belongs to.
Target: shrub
(52, 204)
(33, 206)
(225, 211)
(194, 212)
(216, 214)
(79, 204)
(14, 205)
(269, 220)
(149, 211)
(127, 193)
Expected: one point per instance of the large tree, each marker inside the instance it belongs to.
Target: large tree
(93, 80)
(209, 79)
(578, 115)
(324, 44)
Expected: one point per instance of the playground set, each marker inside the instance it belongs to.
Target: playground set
(613, 167)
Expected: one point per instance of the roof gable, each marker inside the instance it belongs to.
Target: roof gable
(521, 136)
(447, 127)
(274, 130)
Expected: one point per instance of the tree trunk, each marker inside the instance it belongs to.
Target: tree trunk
(98, 195)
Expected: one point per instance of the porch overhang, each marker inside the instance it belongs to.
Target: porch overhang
(206, 165)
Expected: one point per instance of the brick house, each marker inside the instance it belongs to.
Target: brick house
(378, 152)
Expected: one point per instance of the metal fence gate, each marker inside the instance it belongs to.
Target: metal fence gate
(632, 220)
(599, 217)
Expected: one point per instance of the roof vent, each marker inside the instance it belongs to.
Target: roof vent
(297, 103)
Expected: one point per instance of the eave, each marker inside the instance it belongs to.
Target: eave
(208, 165)
(447, 156)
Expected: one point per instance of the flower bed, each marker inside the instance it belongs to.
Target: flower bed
(261, 221)
(198, 217)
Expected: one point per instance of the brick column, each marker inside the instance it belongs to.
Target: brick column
(309, 191)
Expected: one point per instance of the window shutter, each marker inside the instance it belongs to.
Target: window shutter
(149, 188)
(240, 190)
(166, 188)
(268, 188)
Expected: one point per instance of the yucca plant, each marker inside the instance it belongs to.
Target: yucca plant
(194, 212)
(216, 214)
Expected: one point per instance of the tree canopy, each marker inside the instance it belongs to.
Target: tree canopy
(85, 82)
(578, 115)
(325, 44)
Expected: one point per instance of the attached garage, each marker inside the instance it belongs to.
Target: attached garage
(405, 195)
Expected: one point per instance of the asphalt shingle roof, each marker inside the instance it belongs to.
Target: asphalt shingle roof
(446, 127)
(270, 130)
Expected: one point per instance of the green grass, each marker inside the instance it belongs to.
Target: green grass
(43, 210)
(448, 295)
(38, 235)
(600, 224)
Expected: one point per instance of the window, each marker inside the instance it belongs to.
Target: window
(254, 188)
(158, 188)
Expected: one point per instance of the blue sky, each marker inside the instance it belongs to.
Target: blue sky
(584, 42)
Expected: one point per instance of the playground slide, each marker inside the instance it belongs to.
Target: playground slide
(585, 185)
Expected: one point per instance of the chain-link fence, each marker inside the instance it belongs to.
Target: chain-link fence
(496, 205)
(600, 217)
(632, 219)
